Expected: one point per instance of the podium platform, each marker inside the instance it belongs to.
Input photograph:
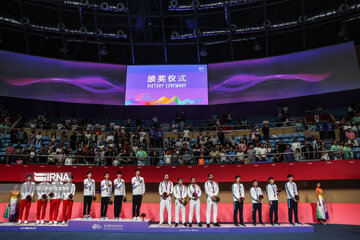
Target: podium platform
(130, 226)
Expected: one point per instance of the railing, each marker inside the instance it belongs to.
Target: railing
(174, 159)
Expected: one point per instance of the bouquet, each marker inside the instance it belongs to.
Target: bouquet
(51, 195)
(110, 201)
(261, 197)
(278, 190)
(28, 198)
(94, 198)
(217, 199)
(44, 196)
(124, 199)
(71, 196)
(242, 199)
(184, 202)
(165, 194)
(195, 195)
(143, 215)
(297, 197)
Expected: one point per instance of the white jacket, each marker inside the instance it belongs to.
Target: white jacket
(119, 187)
(56, 188)
(68, 188)
(271, 191)
(89, 187)
(191, 189)
(138, 188)
(255, 193)
(106, 188)
(43, 188)
(27, 188)
(180, 191)
(238, 191)
(211, 189)
(291, 190)
(166, 187)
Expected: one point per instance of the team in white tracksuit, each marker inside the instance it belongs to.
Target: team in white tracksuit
(194, 200)
(166, 189)
(212, 191)
(180, 194)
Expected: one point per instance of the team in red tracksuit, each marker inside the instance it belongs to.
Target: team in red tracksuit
(56, 191)
(27, 192)
(68, 194)
(42, 192)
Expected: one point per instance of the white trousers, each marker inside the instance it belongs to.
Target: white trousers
(178, 207)
(196, 205)
(211, 204)
(165, 203)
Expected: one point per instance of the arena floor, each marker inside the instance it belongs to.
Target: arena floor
(328, 232)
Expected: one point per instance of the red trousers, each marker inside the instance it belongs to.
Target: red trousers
(54, 209)
(67, 209)
(24, 204)
(41, 208)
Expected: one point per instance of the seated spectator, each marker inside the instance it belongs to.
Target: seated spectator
(141, 156)
(214, 154)
(231, 156)
(297, 155)
(223, 156)
(347, 151)
(154, 156)
(288, 154)
(250, 153)
(307, 151)
(351, 138)
(336, 152)
(324, 154)
(186, 157)
(240, 156)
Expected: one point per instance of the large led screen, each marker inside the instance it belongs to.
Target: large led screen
(31, 77)
(323, 70)
(166, 85)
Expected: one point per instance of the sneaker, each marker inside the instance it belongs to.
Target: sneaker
(184, 224)
(169, 225)
(19, 222)
(55, 222)
(85, 217)
(119, 219)
(292, 224)
(102, 218)
(208, 225)
(298, 224)
(134, 218)
(51, 222)
(272, 224)
(216, 225)
(42, 222)
(176, 224)
(159, 225)
(276, 224)
(89, 218)
(190, 224)
(37, 222)
(262, 224)
(242, 225)
(138, 219)
(200, 225)
(25, 222)
(106, 218)
(236, 225)
(63, 222)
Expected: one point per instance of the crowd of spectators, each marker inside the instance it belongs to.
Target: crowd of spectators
(110, 143)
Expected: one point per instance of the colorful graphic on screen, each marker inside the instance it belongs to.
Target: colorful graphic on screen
(166, 85)
(322, 70)
(31, 77)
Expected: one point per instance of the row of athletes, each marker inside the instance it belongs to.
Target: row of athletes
(66, 191)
